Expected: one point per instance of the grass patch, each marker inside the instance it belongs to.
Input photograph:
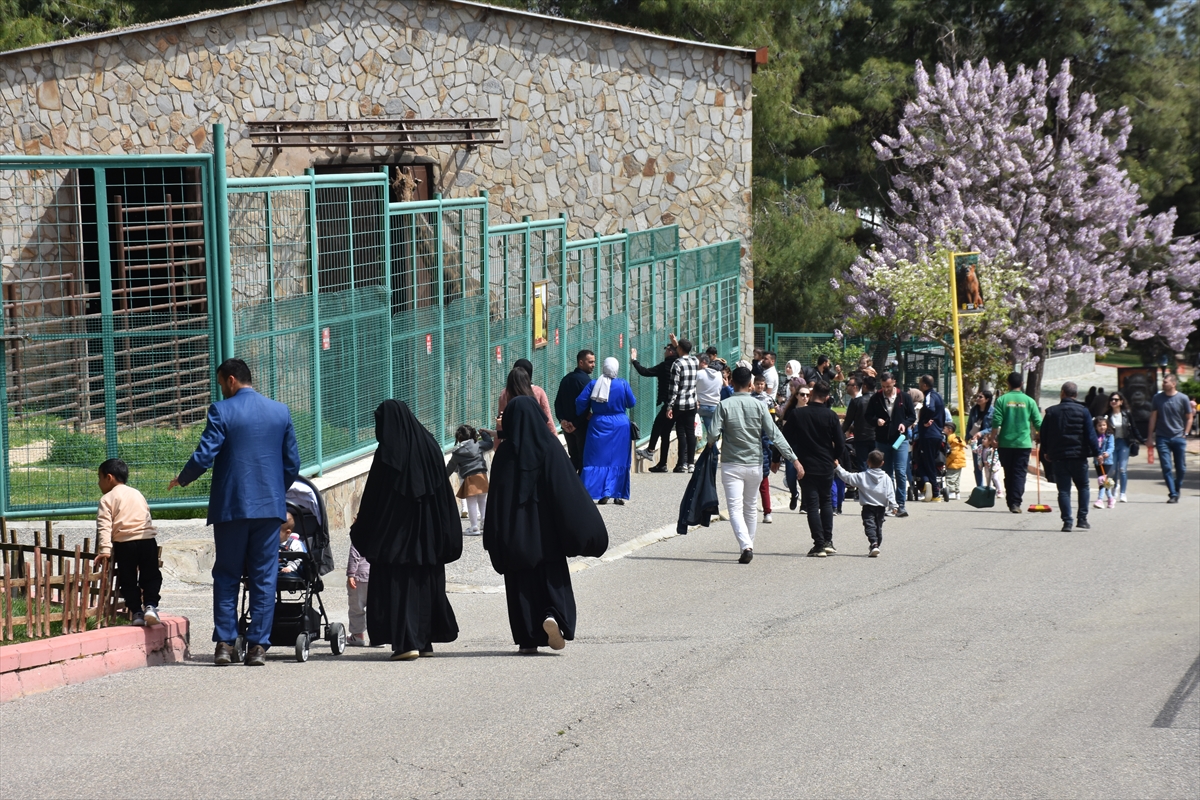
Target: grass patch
(30, 428)
(20, 632)
(1121, 358)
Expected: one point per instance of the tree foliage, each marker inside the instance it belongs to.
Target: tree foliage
(1017, 167)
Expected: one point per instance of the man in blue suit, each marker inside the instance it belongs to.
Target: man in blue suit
(250, 445)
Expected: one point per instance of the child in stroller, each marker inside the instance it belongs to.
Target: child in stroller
(304, 557)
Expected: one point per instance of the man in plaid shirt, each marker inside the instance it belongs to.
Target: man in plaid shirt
(682, 408)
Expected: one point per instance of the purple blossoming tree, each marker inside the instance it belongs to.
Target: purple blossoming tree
(1015, 167)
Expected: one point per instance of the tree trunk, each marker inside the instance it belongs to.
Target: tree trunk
(1033, 380)
(879, 357)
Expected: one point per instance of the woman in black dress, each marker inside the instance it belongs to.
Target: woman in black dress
(408, 529)
(538, 514)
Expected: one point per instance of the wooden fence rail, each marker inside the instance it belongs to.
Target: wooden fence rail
(72, 594)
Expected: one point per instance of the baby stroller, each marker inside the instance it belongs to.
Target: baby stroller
(296, 618)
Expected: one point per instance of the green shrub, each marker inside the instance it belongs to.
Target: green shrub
(1190, 388)
(71, 449)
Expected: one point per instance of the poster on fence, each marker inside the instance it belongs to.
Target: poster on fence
(968, 295)
(541, 314)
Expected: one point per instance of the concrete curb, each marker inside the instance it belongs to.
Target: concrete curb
(33, 667)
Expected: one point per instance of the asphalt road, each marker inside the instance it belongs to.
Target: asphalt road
(984, 654)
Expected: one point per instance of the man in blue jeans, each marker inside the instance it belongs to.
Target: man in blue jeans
(708, 392)
(891, 412)
(1171, 419)
(250, 445)
(1067, 442)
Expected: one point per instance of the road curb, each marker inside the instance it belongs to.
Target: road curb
(38, 666)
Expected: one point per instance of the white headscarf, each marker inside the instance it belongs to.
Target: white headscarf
(793, 369)
(609, 371)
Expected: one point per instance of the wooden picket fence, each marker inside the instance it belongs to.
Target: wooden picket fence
(57, 585)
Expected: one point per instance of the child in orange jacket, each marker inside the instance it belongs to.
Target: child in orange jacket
(956, 459)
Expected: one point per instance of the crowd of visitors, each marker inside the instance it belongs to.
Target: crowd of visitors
(538, 509)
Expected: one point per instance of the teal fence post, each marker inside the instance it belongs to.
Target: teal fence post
(528, 293)
(387, 282)
(564, 358)
(272, 376)
(486, 279)
(106, 314)
(221, 203)
(315, 285)
(441, 347)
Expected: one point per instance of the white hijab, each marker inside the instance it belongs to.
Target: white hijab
(793, 369)
(609, 371)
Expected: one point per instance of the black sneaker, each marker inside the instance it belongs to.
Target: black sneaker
(1173, 498)
(818, 551)
(830, 549)
(680, 468)
(901, 513)
(746, 556)
(795, 501)
(1016, 509)
(660, 468)
(1083, 524)
(1066, 527)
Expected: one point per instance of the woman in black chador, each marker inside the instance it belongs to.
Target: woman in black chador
(408, 530)
(538, 514)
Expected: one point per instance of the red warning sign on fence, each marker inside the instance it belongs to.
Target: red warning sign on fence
(499, 355)
(325, 338)
(620, 341)
(556, 337)
(429, 344)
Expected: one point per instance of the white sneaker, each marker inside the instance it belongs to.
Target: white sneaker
(472, 532)
(691, 467)
(767, 519)
(1098, 504)
(1124, 499)
(550, 626)
(138, 619)
(150, 615)
(874, 551)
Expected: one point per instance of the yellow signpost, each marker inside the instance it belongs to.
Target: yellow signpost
(966, 297)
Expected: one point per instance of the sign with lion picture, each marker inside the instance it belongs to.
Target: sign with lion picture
(968, 294)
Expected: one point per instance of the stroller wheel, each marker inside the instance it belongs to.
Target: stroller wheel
(337, 638)
(302, 648)
(239, 649)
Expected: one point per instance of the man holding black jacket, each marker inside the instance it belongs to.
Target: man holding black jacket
(662, 425)
(893, 415)
(1067, 443)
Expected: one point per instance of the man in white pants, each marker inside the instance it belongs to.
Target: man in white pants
(742, 422)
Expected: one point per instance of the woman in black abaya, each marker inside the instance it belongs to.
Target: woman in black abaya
(538, 514)
(408, 529)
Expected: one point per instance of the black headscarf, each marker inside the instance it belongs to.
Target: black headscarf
(537, 507)
(525, 364)
(408, 513)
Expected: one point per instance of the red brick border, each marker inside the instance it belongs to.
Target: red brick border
(33, 667)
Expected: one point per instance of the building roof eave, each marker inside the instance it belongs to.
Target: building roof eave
(615, 30)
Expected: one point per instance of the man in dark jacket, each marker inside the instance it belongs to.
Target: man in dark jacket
(892, 413)
(574, 425)
(857, 423)
(1067, 443)
(815, 435)
(930, 422)
(662, 425)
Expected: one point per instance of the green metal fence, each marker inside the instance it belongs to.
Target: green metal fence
(108, 331)
(126, 280)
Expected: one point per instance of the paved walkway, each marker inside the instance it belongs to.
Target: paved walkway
(983, 654)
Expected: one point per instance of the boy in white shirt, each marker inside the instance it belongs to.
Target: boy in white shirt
(125, 532)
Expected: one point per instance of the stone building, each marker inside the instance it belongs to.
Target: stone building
(616, 128)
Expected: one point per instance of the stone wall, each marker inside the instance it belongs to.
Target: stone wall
(613, 127)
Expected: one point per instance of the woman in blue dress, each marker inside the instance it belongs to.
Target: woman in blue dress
(606, 451)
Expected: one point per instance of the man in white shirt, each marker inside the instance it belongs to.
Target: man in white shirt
(770, 375)
(708, 393)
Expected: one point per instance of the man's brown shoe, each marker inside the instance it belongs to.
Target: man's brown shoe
(256, 656)
(224, 655)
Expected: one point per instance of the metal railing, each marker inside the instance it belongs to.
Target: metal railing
(336, 297)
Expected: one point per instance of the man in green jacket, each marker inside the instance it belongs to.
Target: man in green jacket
(1015, 417)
